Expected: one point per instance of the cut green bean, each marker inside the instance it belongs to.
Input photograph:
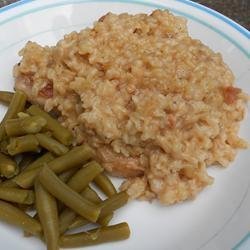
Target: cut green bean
(6, 96)
(47, 211)
(23, 126)
(60, 133)
(104, 220)
(8, 167)
(80, 221)
(68, 196)
(22, 115)
(96, 236)
(65, 219)
(74, 158)
(16, 105)
(68, 216)
(26, 143)
(114, 202)
(69, 220)
(104, 183)
(51, 144)
(91, 195)
(17, 195)
(64, 177)
(8, 183)
(84, 176)
(46, 158)
(26, 178)
(15, 216)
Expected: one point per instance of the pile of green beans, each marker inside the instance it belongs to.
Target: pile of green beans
(41, 171)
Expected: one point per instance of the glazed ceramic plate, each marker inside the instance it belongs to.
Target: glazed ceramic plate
(219, 218)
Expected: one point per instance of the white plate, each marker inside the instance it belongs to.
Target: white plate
(219, 218)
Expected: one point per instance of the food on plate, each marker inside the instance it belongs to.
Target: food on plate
(104, 183)
(105, 234)
(16, 105)
(48, 215)
(15, 216)
(17, 195)
(41, 172)
(5, 97)
(8, 167)
(157, 106)
(24, 125)
(59, 132)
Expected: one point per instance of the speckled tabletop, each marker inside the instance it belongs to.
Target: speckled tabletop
(238, 10)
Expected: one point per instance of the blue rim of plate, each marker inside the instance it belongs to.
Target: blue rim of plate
(228, 21)
(243, 244)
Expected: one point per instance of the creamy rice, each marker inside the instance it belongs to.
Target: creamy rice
(157, 106)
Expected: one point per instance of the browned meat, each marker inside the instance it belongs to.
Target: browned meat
(230, 94)
(119, 165)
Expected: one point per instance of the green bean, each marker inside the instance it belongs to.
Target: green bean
(47, 211)
(8, 167)
(16, 105)
(65, 176)
(69, 220)
(60, 133)
(91, 195)
(74, 158)
(112, 203)
(15, 216)
(26, 143)
(23, 126)
(51, 144)
(39, 162)
(80, 221)
(96, 236)
(26, 178)
(68, 196)
(6, 96)
(17, 195)
(104, 183)
(22, 115)
(68, 216)
(84, 176)
(65, 219)
(104, 220)
(8, 183)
